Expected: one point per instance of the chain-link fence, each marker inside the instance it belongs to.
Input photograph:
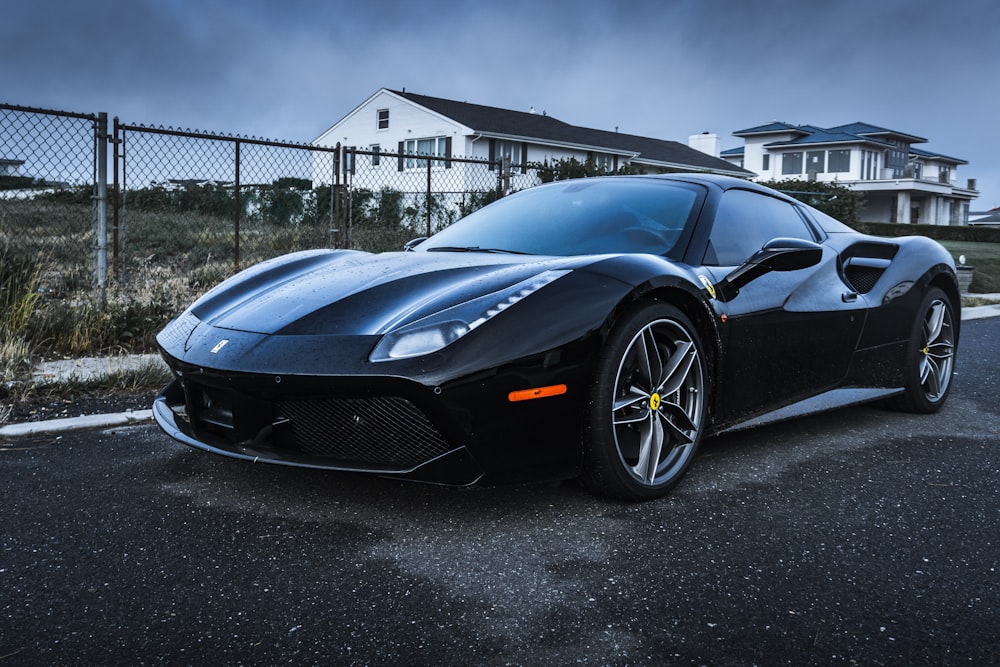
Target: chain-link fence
(203, 205)
(107, 230)
(206, 205)
(130, 206)
(48, 166)
(396, 197)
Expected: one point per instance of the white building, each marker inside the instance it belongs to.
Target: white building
(900, 183)
(408, 125)
(9, 167)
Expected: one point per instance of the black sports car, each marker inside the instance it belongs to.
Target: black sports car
(596, 327)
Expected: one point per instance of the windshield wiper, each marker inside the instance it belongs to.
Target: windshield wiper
(502, 251)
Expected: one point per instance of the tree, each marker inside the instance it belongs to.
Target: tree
(837, 201)
(567, 168)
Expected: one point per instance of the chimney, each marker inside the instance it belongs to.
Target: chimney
(705, 142)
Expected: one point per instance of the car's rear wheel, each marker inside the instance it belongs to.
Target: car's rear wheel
(930, 357)
(648, 405)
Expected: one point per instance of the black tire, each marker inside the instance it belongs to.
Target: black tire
(930, 356)
(648, 405)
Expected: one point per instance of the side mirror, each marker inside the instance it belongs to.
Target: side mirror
(413, 243)
(779, 254)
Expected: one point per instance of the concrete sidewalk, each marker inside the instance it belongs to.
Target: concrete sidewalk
(90, 367)
(81, 370)
(86, 368)
(980, 312)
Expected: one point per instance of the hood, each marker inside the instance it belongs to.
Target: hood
(350, 292)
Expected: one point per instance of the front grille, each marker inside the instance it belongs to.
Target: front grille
(379, 431)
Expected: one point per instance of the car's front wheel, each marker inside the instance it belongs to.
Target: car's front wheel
(648, 405)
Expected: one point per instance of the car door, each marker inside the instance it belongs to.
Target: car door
(788, 335)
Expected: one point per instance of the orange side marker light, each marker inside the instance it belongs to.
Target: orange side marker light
(537, 392)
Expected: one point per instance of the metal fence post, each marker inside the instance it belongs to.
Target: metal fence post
(116, 189)
(337, 224)
(102, 201)
(236, 212)
(428, 197)
(334, 234)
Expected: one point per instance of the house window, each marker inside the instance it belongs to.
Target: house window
(434, 146)
(383, 119)
(896, 158)
(791, 163)
(944, 174)
(766, 162)
(870, 165)
(349, 159)
(839, 161)
(816, 162)
(376, 154)
(509, 152)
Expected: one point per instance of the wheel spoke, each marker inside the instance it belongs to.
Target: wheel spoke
(634, 396)
(942, 350)
(650, 446)
(678, 367)
(935, 322)
(929, 376)
(651, 362)
(635, 418)
(680, 423)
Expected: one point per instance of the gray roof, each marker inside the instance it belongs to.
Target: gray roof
(850, 133)
(938, 156)
(986, 217)
(875, 130)
(769, 128)
(546, 129)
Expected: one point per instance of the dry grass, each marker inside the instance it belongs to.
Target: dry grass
(19, 297)
(973, 301)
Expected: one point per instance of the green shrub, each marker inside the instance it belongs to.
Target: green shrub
(938, 232)
(835, 200)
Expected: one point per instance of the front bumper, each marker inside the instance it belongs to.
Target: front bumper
(368, 432)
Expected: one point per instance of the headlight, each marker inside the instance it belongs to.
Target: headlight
(439, 330)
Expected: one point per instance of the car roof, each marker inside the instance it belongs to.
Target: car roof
(826, 222)
(723, 183)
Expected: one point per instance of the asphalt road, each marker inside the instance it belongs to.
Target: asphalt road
(856, 536)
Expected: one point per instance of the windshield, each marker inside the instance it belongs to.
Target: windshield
(579, 217)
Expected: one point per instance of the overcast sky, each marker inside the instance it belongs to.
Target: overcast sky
(290, 69)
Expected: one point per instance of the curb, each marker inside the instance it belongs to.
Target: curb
(140, 416)
(76, 423)
(979, 312)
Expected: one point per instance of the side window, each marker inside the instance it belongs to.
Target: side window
(745, 221)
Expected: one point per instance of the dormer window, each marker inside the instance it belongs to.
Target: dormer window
(383, 119)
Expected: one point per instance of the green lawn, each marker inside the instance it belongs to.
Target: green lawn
(985, 257)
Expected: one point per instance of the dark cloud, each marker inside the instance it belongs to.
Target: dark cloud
(666, 68)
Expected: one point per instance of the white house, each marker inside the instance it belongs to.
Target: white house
(901, 183)
(408, 125)
(989, 218)
(9, 167)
